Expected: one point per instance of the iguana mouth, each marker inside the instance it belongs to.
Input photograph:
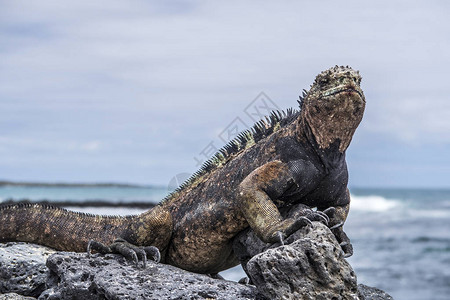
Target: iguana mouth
(342, 89)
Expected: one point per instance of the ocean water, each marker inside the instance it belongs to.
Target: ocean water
(401, 241)
(80, 193)
(401, 237)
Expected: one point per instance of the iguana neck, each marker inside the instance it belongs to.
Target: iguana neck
(330, 156)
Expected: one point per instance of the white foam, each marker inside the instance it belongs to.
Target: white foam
(108, 211)
(373, 203)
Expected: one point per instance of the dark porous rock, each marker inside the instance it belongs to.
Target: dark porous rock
(370, 293)
(22, 269)
(75, 276)
(310, 266)
(14, 296)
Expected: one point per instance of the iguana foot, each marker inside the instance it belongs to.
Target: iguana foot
(286, 228)
(311, 214)
(327, 217)
(343, 240)
(129, 251)
(318, 216)
(306, 218)
(347, 246)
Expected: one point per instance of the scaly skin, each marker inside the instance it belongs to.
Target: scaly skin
(71, 231)
(298, 157)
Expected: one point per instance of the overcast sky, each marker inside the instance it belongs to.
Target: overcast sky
(140, 91)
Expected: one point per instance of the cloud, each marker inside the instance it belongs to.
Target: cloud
(138, 78)
(420, 119)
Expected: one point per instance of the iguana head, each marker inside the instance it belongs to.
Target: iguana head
(334, 106)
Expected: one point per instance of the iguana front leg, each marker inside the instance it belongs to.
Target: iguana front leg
(257, 206)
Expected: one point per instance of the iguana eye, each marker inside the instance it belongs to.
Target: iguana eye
(323, 81)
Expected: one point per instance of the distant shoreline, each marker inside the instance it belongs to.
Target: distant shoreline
(63, 184)
(151, 186)
(91, 203)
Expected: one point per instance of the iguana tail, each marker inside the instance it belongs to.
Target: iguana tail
(66, 230)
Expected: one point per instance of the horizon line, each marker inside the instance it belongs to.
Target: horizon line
(138, 185)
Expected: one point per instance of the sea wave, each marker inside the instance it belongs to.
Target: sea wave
(430, 213)
(373, 203)
(431, 239)
(107, 211)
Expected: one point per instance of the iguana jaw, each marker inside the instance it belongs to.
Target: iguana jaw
(343, 89)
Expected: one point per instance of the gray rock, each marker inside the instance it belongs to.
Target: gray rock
(74, 276)
(246, 245)
(370, 293)
(22, 268)
(311, 257)
(311, 267)
(14, 296)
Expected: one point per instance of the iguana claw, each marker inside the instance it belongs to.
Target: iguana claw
(97, 246)
(280, 237)
(303, 221)
(330, 211)
(318, 216)
(153, 252)
(129, 251)
(337, 225)
(313, 215)
(345, 254)
(281, 231)
(347, 248)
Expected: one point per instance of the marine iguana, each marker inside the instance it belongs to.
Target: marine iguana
(291, 157)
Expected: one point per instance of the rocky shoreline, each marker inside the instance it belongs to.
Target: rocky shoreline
(309, 266)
